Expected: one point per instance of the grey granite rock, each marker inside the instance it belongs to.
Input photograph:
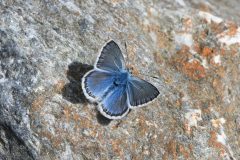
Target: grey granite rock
(47, 46)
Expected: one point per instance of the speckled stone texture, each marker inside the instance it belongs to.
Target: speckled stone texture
(46, 46)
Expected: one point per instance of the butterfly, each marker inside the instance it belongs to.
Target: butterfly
(113, 87)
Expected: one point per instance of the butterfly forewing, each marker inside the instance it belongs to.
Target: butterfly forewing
(111, 58)
(140, 91)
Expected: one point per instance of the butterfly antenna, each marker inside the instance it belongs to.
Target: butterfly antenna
(151, 76)
(156, 78)
(167, 89)
(127, 61)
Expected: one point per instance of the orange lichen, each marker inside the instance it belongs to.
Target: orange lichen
(187, 128)
(184, 151)
(38, 103)
(222, 51)
(142, 125)
(216, 83)
(213, 141)
(206, 51)
(162, 39)
(46, 134)
(218, 86)
(172, 149)
(197, 47)
(217, 28)
(223, 153)
(86, 123)
(178, 103)
(221, 71)
(215, 144)
(184, 52)
(67, 113)
(194, 70)
(57, 142)
(76, 117)
(232, 29)
(116, 149)
(234, 49)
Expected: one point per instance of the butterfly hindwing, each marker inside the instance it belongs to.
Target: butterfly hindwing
(115, 104)
(140, 92)
(95, 83)
(111, 58)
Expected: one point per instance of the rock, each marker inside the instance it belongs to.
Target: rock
(191, 47)
(11, 147)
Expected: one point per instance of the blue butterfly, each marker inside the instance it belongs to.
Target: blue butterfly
(113, 87)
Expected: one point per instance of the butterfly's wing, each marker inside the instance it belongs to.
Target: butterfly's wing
(95, 83)
(140, 92)
(115, 104)
(110, 58)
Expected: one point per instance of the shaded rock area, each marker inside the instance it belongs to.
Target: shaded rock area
(192, 47)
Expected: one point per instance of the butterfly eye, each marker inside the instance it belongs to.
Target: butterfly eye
(130, 69)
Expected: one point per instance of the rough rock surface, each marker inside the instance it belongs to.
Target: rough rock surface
(46, 46)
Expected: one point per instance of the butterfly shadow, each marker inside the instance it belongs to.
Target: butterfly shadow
(73, 92)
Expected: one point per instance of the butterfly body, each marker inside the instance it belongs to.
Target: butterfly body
(113, 87)
(121, 79)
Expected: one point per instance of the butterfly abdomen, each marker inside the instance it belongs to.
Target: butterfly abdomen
(120, 80)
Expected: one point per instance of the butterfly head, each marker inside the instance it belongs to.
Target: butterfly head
(132, 70)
